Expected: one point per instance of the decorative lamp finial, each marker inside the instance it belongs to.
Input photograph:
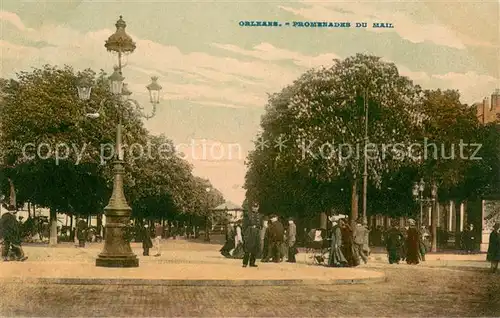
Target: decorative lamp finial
(120, 41)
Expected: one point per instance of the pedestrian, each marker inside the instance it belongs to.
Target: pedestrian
(81, 232)
(412, 244)
(424, 242)
(174, 230)
(336, 257)
(229, 244)
(158, 233)
(493, 255)
(238, 251)
(11, 233)
(359, 240)
(276, 233)
(291, 240)
(393, 242)
(264, 238)
(251, 242)
(284, 244)
(348, 244)
(469, 239)
(366, 241)
(403, 252)
(146, 239)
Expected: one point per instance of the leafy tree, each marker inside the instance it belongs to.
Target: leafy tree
(448, 126)
(42, 107)
(160, 184)
(321, 109)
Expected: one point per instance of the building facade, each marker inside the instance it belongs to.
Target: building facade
(489, 109)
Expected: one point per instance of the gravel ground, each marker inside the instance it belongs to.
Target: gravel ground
(410, 291)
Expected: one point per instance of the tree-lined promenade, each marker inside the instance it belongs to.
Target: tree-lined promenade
(322, 106)
(42, 107)
(331, 104)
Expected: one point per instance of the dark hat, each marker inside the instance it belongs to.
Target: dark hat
(273, 216)
(290, 219)
(265, 218)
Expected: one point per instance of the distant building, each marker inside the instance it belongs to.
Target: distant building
(489, 109)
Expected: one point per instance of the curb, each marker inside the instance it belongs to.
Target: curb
(179, 282)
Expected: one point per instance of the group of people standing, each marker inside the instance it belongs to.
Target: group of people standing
(407, 244)
(348, 245)
(268, 240)
(148, 235)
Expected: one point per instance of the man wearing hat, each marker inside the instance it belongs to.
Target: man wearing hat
(360, 234)
(276, 233)
(493, 255)
(11, 233)
(393, 241)
(291, 240)
(264, 238)
(251, 242)
(81, 231)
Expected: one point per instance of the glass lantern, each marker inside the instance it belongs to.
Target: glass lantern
(154, 90)
(116, 82)
(415, 189)
(434, 190)
(84, 91)
(421, 186)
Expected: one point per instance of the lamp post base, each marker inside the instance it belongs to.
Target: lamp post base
(123, 261)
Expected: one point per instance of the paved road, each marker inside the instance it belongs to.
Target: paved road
(409, 291)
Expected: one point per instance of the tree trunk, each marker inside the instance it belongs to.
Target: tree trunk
(29, 210)
(434, 220)
(12, 196)
(207, 230)
(53, 228)
(354, 200)
(457, 224)
(322, 220)
(99, 224)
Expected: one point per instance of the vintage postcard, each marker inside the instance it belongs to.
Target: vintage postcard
(249, 158)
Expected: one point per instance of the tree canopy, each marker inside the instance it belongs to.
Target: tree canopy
(308, 158)
(58, 158)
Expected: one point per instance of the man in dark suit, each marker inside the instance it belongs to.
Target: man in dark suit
(291, 240)
(11, 234)
(276, 233)
(251, 242)
(81, 231)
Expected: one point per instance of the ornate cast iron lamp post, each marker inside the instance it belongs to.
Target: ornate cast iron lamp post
(117, 251)
(418, 195)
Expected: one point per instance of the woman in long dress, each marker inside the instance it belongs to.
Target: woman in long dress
(347, 244)
(412, 244)
(336, 258)
(238, 251)
(229, 245)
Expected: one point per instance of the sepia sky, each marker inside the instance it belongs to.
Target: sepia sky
(216, 74)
